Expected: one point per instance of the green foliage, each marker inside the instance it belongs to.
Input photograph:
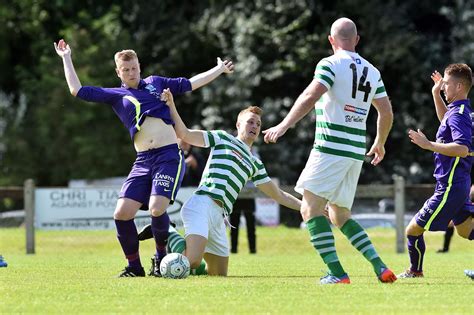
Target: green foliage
(47, 135)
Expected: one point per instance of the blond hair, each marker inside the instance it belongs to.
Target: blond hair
(251, 109)
(125, 55)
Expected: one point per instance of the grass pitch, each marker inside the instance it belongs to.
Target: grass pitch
(75, 272)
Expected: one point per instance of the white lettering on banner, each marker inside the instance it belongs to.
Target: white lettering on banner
(90, 208)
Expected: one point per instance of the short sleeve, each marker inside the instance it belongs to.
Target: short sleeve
(380, 91)
(324, 73)
(176, 85)
(461, 131)
(211, 138)
(260, 177)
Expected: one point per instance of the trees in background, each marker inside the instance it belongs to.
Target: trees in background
(48, 135)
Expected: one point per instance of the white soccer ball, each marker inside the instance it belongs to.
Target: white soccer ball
(175, 266)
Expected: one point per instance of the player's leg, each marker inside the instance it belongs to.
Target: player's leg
(322, 238)
(235, 222)
(195, 245)
(464, 224)
(124, 215)
(355, 233)
(319, 180)
(435, 215)
(160, 223)
(195, 216)
(216, 265)
(217, 247)
(447, 238)
(177, 244)
(416, 250)
(167, 169)
(251, 227)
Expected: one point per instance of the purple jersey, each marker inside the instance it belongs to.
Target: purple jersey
(133, 105)
(456, 127)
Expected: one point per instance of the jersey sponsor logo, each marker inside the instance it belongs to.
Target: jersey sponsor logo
(354, 118)
(152, 90)
(163, 180)
(357, 110)
(241, 158)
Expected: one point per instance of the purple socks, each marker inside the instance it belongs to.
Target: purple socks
(416, 250)
(160, 228)
(128, 238)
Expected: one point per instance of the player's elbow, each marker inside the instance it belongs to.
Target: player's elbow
(463, 151)
(73, 92)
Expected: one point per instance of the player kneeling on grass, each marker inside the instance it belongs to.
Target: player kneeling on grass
(453, 163)
(230, 165)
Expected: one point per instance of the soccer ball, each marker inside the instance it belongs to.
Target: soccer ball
(175, 266)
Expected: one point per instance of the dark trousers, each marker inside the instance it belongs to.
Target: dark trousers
(247, 207)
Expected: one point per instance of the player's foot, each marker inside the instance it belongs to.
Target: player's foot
(3, 263)
(330, 279)
(442, 250)
(145, 233)
(387, 276)
(410, 274)
(155, 267)
(132, 272)
(469, 273)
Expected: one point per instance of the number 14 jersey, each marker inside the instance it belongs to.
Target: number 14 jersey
(341, 113)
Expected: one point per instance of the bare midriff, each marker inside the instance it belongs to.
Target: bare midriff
(154, 133)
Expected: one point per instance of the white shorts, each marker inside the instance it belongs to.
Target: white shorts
(331, 177)
(202, 216)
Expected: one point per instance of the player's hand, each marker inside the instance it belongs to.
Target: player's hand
(272, 134)
(438, 82)
(378, 151)
(419, 138)
(167, 97)
(227, 66)
(62, 48)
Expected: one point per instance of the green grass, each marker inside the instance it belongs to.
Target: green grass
(75, 272)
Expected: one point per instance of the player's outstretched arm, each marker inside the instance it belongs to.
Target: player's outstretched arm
(440, 106)
(302, 106)
(204, 78)
(282, 197)
(449, 149)
(64, 51)
(384, 124)
(193, 137)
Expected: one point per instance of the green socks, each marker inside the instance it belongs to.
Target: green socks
(177, 244)
(322, 240)
(360, 240)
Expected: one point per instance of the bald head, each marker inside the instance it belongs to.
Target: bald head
(344, 29)
(343, 35)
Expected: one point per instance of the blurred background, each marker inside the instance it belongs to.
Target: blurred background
(49, 136)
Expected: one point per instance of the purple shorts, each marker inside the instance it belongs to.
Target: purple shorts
(155, 172)
(449, 202)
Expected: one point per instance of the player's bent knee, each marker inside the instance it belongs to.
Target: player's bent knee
(156, 212)
(463, 233)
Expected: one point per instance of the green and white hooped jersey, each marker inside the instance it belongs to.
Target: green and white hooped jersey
(229, 166)
(342, 111)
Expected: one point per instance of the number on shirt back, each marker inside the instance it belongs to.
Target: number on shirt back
(362, 85)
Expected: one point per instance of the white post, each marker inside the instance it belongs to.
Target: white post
(399, 187)
(29, 200)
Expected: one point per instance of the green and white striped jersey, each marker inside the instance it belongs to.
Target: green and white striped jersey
(229, 166)
(342, 111)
